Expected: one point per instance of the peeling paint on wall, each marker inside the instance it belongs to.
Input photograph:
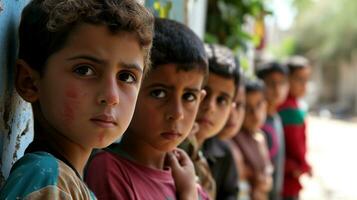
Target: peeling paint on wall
(1, 6)
(16, 123)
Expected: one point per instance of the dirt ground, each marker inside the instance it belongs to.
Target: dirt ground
(332, 153)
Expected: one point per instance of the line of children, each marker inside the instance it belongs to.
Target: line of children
(99, 50)
(166, 109)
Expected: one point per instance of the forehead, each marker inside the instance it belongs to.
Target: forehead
(170, 74)
(220, 84)
(100, 41)
(275, 75)
(305, 71)
(254, 97)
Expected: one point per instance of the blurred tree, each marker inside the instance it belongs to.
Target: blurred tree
(327, 30)
(225, 20)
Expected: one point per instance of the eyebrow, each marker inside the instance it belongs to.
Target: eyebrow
(194, 90)
(227, 95)
(87, 57)
(133, 66)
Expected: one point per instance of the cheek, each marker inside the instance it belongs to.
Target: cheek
(240, 116)
(222, 115)
(72, 100)
(190, 116)
(270, 94)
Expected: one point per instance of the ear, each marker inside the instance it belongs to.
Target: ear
(203, 93)
(26, 81)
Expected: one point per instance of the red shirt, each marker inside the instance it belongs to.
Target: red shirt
(112, 176)
(293, 118)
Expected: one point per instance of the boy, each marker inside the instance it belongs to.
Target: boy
(275, 77)
(293, 114)
(252, 143)
(230, 131)
(167, 105)
(236, 116)
(80, 66)
(214, 111)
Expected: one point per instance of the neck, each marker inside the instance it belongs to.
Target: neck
(74, 153)
(271, 110)
(142, 153)
(223, 137)
(200, 141)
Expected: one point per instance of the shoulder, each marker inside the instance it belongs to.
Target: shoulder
(291, 113)
(108, 164)
(107, 159)
(33, 172)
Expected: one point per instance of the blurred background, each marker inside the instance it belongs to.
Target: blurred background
(322, 30)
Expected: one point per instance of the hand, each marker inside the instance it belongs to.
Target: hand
(183, 173)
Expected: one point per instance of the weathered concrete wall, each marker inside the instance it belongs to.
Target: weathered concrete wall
(16, 126)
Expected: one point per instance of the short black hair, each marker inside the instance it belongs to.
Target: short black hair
(254, 85)
(267, 68)
(221, 61)
(46, 25)
(175, 43)
(297, 62)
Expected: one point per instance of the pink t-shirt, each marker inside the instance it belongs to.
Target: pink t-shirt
(112, 176)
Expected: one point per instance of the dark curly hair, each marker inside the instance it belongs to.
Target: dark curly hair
(46, 25)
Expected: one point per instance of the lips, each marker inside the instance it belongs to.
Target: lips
(204, 121)
(171, 135)
(229, 125)
(105, 121)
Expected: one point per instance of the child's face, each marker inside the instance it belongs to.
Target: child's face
(89, 88)
(215, 107)
(236, 116)
(255, 111)
(298, 81)
(167, 106)
(276, 88)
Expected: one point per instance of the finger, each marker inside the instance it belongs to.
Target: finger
(172, 160)
(183, 158)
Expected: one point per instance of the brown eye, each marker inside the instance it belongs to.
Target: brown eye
(158, 93)
(222, 101)
(189, 96)
(84, 70)
(127, 77)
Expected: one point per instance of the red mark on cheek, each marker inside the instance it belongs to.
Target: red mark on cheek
(70, 104)
(71, 93)
(68, 112)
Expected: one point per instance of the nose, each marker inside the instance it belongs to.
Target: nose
(109, 92)
(208, 104)
(175, 110)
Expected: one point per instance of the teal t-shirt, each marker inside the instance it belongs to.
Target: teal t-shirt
(40, 175)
